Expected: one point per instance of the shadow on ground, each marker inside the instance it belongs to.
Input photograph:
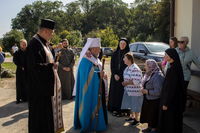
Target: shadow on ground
(116, 125)
(187, 129)
(16, 118)
(12, 108)
(112, 130)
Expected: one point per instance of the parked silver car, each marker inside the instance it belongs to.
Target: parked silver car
(149, 50)
(107, 51)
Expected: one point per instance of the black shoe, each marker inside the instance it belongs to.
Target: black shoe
(114, 113)
(119, 115)
(135, 122)
(130, 119)
(17, 102)
(24, 100)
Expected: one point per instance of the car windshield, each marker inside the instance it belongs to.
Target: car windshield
(157, 47)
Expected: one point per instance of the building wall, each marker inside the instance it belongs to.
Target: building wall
(183, 18)
(195, 42)
(187, 20)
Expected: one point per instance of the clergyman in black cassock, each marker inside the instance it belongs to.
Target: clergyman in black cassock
(45, 107)
(19, 58)
(65, 70)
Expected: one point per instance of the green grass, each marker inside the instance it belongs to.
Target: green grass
(7, 56)
(9, 66)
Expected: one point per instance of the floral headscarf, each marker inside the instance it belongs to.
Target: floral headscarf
(153, 67)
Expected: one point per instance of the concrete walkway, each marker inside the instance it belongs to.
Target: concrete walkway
(14, 117)
(192, 120)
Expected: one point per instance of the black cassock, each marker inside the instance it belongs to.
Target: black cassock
(19, 58)
(41, 88)
(171, 120)
(116, 89)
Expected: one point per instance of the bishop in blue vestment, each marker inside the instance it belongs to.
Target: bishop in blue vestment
(90, 109)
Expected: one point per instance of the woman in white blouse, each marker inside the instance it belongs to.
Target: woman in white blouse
(133, 97)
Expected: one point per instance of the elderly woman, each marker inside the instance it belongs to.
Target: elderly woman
(152, 84)
(171, 118)
(187, 57)
(132, 98)
(117, 68)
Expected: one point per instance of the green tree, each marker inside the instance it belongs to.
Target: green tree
(143, 21)
(10, 38)
(73, 16)
(162, 28)
(149, 20)
(108, 38)
(28, 19)
(64, 34)
(146, 20)
(56, 39)
(109, 13)
(75, 38)
(85, 5)
(1, 44)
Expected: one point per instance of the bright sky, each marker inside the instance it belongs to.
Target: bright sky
(10, 8)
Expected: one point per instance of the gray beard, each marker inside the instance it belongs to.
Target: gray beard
(96, 56)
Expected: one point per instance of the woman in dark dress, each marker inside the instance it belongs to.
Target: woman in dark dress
(171, 118)
(152, 85)
(117, 67)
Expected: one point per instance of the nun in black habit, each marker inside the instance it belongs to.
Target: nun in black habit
(117, 68)
(171, 118)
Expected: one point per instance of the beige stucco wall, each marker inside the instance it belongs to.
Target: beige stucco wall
(195, 39)
(195, 42)
(187, 21)
(183, 18)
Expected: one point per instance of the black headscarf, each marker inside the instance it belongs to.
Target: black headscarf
(176, 65)
(172, 95)
(117, 63)
(120, 53)
(172, 53)
(127, 45)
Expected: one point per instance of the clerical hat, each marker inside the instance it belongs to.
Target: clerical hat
(47, 23)
(94, 42)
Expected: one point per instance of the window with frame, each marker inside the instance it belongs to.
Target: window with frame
(133, 47)
(141, 47)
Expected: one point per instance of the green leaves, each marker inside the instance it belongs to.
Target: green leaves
(108, 38)
(10, 38)
(145, 20)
